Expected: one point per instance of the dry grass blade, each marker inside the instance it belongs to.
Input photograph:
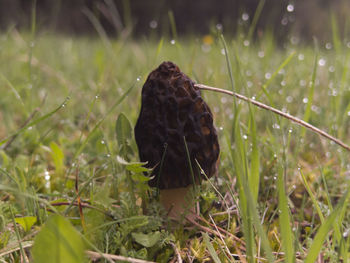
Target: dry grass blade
(281, 113)
(94, 256)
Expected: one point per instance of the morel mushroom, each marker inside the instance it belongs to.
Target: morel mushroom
(174, 115)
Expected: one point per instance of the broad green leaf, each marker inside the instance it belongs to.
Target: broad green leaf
(58, 242)
(26, 222)
(57, 156)
(210, 248)
(123, 129)
(146, 240)
(136, 167)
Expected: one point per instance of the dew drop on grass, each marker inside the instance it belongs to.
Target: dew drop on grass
(267, 75)
(103, 142)
(299, 168)
(290, 8)
(97, 96)
(261, 54)
(223, 52)
(172, 41)
(281, 71)
(284, 21)
(245, 137)
(253, 97)
(249, 84)
(276, 126)
(223, 100)
(301, 57)
(219, 27)
(305, 100)
(348, 113)
(47, 175)
(274, 155)
(246, 43)
(138, 78)
(221, 128)
(108, 155)
(331, 69)
(289, 99)
(328, 45)
(153, 24)
(322, 62)
(245, 17)
(30, 128)
(290, 130)
(283, 83)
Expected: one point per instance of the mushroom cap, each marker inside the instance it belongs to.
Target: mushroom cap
(172, 109)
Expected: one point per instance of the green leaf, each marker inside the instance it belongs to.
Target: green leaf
(136, 167)
(57, 242)
(123, 129)
(26, 222)
(211, 249)
(57, 156)
(146, 240)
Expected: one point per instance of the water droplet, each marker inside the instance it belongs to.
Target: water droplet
(261, 54)
(348, 113)
(284, 21)
(276, 126)
(289, 99)
(223, 100)
(331, 69)
(305, 100)
(301, 57)
(63, 105)
(246, 43)
(47, 175)
(32, 44)
(248, 73)
(283, 83)
(328, 45)
(345, 234)
(249, 84)
(281, 71)
(245, 137)
(299, 168)
(274, 155)
(73, 164)
(253, 97)
(223, 52)
(221, 128)
(275, 178)
(206, 48)
(290, 8)
(103, 142)
(267, 75)
(30, 128)
(173, 42)
(219, 27)
(322, 62)
(97, 96)
(138, 78)
(153, 24)
(245, 16)
(108, 155)
(290, 130)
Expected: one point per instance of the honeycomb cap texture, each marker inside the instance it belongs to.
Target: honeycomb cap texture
(172, 109)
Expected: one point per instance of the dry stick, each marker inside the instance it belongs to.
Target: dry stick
(281, 113)
(94, 255)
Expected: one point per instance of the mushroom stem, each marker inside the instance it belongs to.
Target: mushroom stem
(178, 201)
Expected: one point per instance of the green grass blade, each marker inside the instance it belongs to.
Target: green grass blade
(307, 113)
(312, 196)
(325, 228)
(284, 220)
(255, 19)
(210, 248)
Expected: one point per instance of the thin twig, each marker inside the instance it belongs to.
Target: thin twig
(177, 253)
(94, 255)
(281, 113)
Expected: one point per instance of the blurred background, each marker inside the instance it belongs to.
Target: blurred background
(285, 19)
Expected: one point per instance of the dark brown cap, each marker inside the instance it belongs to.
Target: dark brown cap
(172, 108)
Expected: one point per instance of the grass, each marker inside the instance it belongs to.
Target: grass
(70, 176)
